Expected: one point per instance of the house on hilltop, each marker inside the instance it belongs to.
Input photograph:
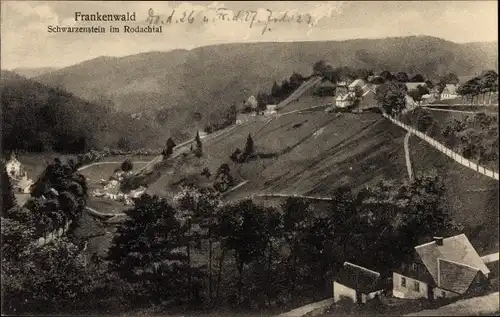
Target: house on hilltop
(14, 167)
(251, 103)
(18, 176)
(357, 83)
(449, 92)
(411, 86)
(356, 284)
(445, 267)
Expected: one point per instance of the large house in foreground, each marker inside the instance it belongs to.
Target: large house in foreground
(445, 267)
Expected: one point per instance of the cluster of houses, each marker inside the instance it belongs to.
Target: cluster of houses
(359, 95)
(111, 189)
(21, 183)
(443, 268)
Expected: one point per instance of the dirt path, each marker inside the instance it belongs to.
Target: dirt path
(100, 163)
(301, 311)
(477, 306)
(407, 155)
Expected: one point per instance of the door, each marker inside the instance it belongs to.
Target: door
(359, 298)
(430, 292)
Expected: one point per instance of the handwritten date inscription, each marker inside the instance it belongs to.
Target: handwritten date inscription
(251, 17)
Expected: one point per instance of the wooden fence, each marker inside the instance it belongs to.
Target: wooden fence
(443, 149)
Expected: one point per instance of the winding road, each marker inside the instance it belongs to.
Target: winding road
(407, 155)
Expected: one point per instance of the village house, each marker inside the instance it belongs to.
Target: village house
(412, 86)
(366, 102)
(449, 92)
(445, 267)
(270, 111)
(357, 83)
(356, 284)
(19, 177)
(245, 117)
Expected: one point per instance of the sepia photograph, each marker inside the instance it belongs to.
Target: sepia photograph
(249, 158)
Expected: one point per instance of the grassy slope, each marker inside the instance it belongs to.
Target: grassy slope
(477, 209)
(441, 119)
(313, 163)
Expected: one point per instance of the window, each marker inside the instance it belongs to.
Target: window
(443, 294)
(414, 267)
(416, 286)
(403, 282)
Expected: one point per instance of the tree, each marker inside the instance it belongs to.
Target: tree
(123, 144)
(127, 165)
(320, 67)
(223, 178)
(52, 276)
(199, 150)
(249, 147)
(145, 252)
(402, 77)
(391, 97)
(296, 214)
(450, 78)
(242, 227)
(169, 148)
(418, 79)
(203, 206)
(386, 75)
(8, 198)
(275, 90)
(48, 279)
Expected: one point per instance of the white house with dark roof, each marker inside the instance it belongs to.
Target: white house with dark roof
(411, 86)
(356, 284)
(445, 267)
(449, 92)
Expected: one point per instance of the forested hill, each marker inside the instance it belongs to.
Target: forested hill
(40, 118)
(209, 79)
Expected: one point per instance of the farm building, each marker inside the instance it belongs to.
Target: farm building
(270, 110)
(366, 102)
(411, 86)
(357, 83)
(251, 103)
(245, 117)
(14, 167)
(449, 92)
(356, 284)
(445, 267)
(19, 178)
(343, 100)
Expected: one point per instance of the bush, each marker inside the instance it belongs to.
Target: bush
(127, 165)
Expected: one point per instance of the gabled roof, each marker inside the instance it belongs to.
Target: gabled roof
(342, 97)
(411, 86)
(357, 82)
(359, 278)
(455, 277)
(450, 89)
(456, 249)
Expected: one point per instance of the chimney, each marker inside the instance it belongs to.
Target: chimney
(438, 240)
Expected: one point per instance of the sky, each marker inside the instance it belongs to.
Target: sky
(26, 42)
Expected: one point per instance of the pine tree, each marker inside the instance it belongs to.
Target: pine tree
(8, 198)
(249, 148)
(199, 149)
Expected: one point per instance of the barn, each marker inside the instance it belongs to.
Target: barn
(356, 284)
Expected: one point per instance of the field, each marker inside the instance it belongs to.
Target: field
(439, 123)
(471, 197)
(308, 153)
